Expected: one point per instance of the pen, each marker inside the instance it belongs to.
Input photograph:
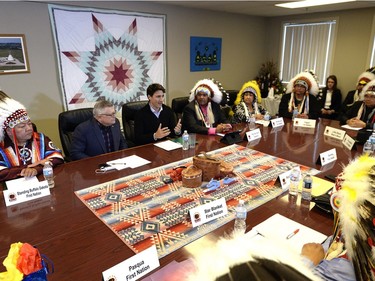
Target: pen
(117, 163)
(292, 234)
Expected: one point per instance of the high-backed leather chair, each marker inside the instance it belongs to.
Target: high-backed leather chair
(68, 121)
(178, 105)
(128, 114)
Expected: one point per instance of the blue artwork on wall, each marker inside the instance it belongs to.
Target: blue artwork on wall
(205, 53)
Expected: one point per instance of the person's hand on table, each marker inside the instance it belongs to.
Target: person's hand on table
(313, 251)
(223, 128)
(303, 116)
(28, 172)
(355, 122)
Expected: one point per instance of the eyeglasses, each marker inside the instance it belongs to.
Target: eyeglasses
(109, 115)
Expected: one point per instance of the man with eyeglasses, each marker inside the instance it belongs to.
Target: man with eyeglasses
(362, 113)
(98, 135)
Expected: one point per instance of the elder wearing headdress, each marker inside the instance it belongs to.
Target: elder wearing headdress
(357, 94)
(300, 94)
(362, 113)
(248, 102)
(22, 151)
(203, 114)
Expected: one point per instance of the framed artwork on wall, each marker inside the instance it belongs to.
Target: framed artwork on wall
(13, 54)
(205, 53)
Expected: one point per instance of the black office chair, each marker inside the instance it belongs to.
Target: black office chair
(68, 121)
(178, 105)
(128, 114)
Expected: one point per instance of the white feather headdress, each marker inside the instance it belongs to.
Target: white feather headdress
(11, 113)
(216, 94)
(311, 80)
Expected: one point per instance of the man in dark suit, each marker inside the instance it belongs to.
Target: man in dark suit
(98, 135)
(203, 114)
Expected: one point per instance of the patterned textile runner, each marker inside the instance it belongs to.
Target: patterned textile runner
(143, 211)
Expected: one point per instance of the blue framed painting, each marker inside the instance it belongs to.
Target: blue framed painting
(205, 53)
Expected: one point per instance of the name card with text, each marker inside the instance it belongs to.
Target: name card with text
(253, 135)
(33, 190)
(348, 142)
(135, 267)
(301, 122)
(334, 133)
(208, 212)
(277, 122)
(327, 157)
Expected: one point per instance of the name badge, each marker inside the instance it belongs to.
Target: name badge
(277, 122)
(307, 123)
(253, 135)
(334, 133)
(327, 157)
(26, 190)
(208, 212)
(348, 142)
(133, 268)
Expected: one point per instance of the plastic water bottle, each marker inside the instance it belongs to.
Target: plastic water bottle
(240, 221)
(267, 116)
(252, 122)
(372, 139)
(295, 113)
(367, 147)
(48, 174)
(185, 140)
(294, 181)
(306, 188)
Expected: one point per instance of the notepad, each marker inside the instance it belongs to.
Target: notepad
(168, 145)
(279, 227)
(319, 186)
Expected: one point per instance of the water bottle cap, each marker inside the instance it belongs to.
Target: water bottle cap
(241, 201)
(185, 131)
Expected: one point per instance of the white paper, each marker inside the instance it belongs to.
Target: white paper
(133, 161)
(350, 127)
(279, 227)
(168, 145)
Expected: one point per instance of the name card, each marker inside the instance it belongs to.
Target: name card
(133, 268)
(208, 212)
(304, 130)
(301, 122)
(277, 122)
(348, 142)
(334, 133)
(33, 190)
(253, 135)
(284, 179)
(327, 157)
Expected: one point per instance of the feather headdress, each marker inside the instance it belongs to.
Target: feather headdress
(252, 87)
(356, 218)
(307, 79)
(11, 113)
(209, 86)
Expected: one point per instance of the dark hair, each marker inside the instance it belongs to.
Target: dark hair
(153, 88)
(334, 78)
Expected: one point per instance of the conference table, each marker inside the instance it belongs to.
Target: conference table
(82, 247)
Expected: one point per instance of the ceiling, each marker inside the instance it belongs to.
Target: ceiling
(267, 8)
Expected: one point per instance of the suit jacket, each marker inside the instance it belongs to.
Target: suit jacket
(191, 123)
(335, 103)
(313, 107)
(353, 112)
(88, 140)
